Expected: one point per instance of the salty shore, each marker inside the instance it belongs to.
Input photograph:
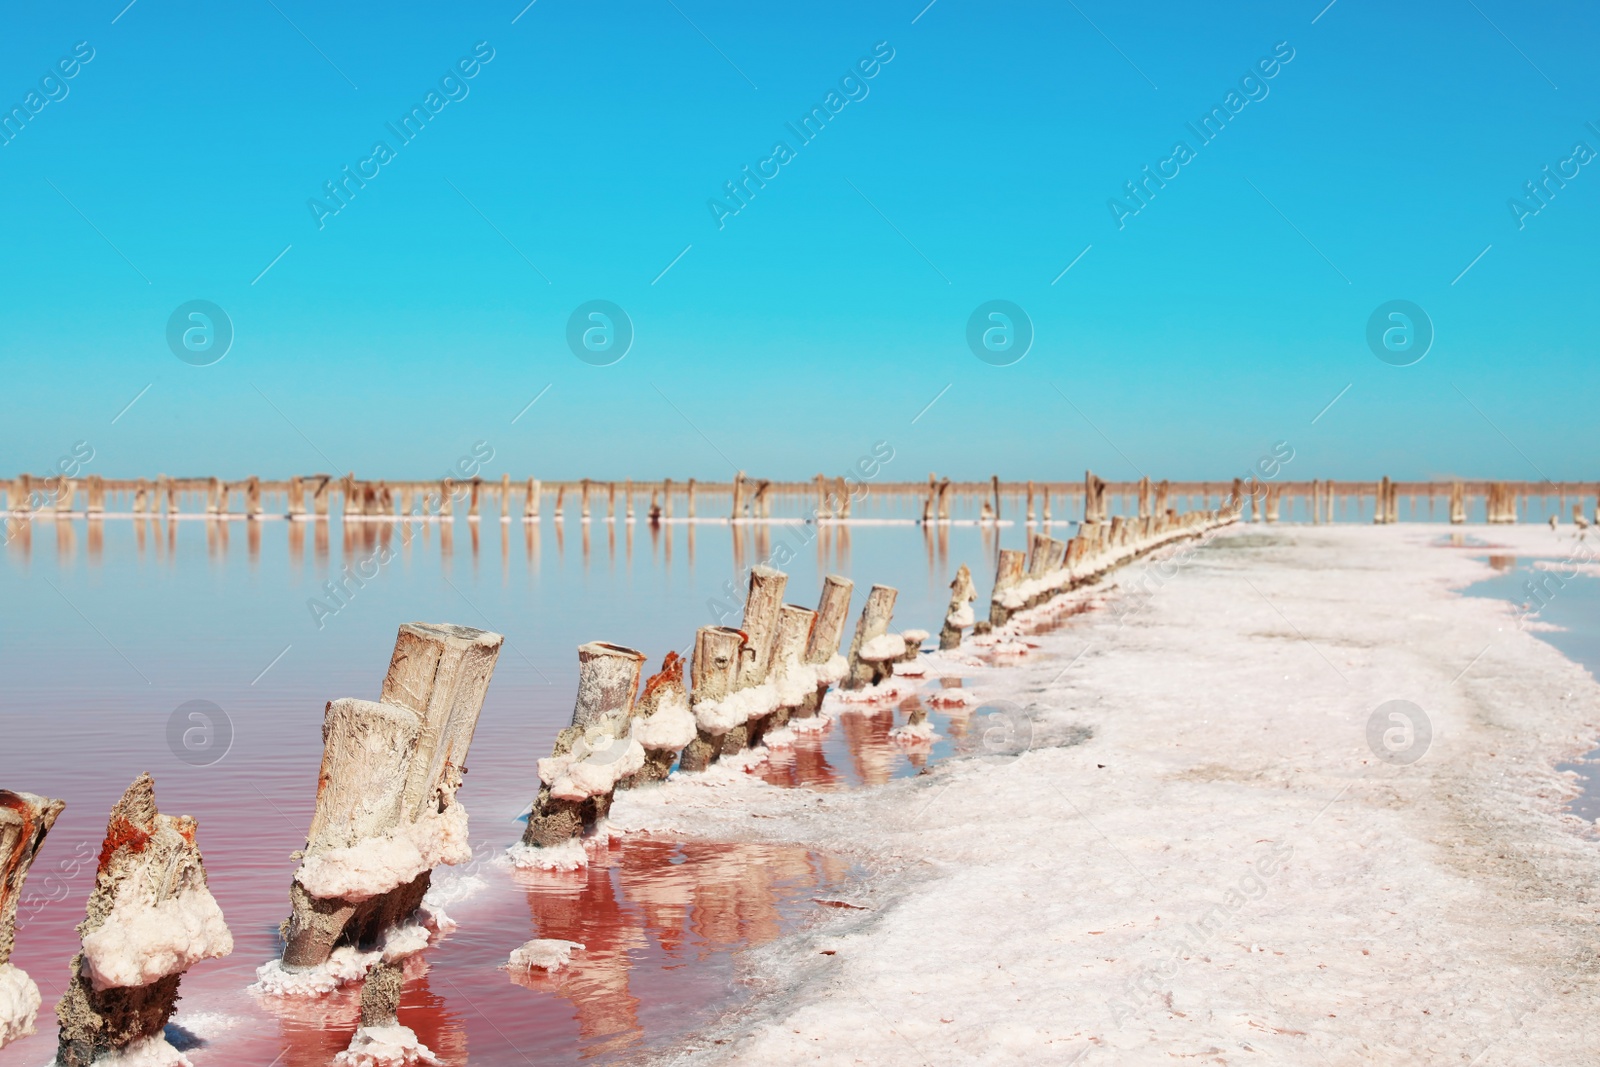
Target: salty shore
(1183, 848)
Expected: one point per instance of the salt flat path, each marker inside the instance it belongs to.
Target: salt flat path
(1223, 871)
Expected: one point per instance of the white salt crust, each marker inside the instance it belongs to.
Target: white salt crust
(888, 689)
(1220, 871)
(568, 856)
(914, 733)
(19, 1004)
(385, 1046)
(347, 964)
(545, 954)
(143, 940)
(914, 638)
(375, 865)
(881, 648)
(151, 1052)
(670, 728)
(595, 764)
(717, 717)
(961, 618)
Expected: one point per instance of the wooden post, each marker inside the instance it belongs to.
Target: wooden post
(95, 495)
(994, 481)
(666, 498)
(874, 622)
(319, 496)
(530, 506)
(788, 671)
(122, 992)
(25, 819)
(762, 607)
(505, 496)
(474, 492)
(141, 497)
(569, 804)
(447, 498)
(737, 512)
(823, 511)
(252, 497)
(1008, 575)
(1047, 505)
(1030, 504)
(297, 497)
(843, 490)
(822, 647)
(627, 500)
(944, 500)
(712, 675)
(367, 751)
(690, 493)
(958, 616)
(1144, 497)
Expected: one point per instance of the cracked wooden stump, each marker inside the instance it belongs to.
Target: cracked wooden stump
(590, 755)
(150, 917)
(25, 820)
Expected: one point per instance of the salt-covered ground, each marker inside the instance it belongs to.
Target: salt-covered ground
(1186, 849)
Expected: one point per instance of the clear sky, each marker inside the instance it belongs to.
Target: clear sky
(976, 163)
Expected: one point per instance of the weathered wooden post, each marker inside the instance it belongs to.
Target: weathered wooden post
(873, 649)
(737, 512)
(141, 497)
(994, 482)
(627, 500)
(794, 680)
(319, 495)
(712, 675)
(944, 500)
(297, 497)
(25, 819)
(530, 504)
(823, 512)
(1009, 574)
(1030, 504)
(666, 498)
(958, 616)
(689, 492)
(1272, 502)
(386, 801)
(252, 497)
(822, 647)
(1047, 504)
(843, 490)
(590, 756)
(150, 917)
(762, 607)
(95, 495)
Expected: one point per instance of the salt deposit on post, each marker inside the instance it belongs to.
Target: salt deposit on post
(25, 819)
(589, 758)
(150, 917)
(792, 679)
(756, 696)
(663, 723)
(873, 648)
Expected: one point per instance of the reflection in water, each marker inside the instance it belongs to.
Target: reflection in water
(646, 911)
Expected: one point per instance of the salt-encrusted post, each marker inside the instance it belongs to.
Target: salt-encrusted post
(319, 496)
(738, 497)
(871, 659)
(958, 616)
(367, 750)
(95, 495)
(760, 626)
(1008, 574)
(822, 647)
(690, 500)
(792, 678)
(594, 752)
(663, 723)
(297, 497)
(150, 917)
(25, 819)
(823, 511)
(1458, 503)
(712, 676)
(530, 505)
(666, 498)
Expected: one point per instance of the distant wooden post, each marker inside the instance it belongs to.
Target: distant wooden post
(944, 500)
(690, 498)
(843, 490)
(141, 497)
(474, 493)
(95, 494)
(737, 511)
(1458, 503)
(123, 986)
(297, 497)
(627, 500)
(994, 482)
(666, 498)
(1144, 497)
(319, 496)
(1047, 505)
(1030, 504)
(447, 498)
(252, 497)
(530, 506)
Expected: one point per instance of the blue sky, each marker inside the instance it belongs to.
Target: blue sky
(827, 314)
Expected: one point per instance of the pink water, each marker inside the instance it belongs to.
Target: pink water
(116, 624)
